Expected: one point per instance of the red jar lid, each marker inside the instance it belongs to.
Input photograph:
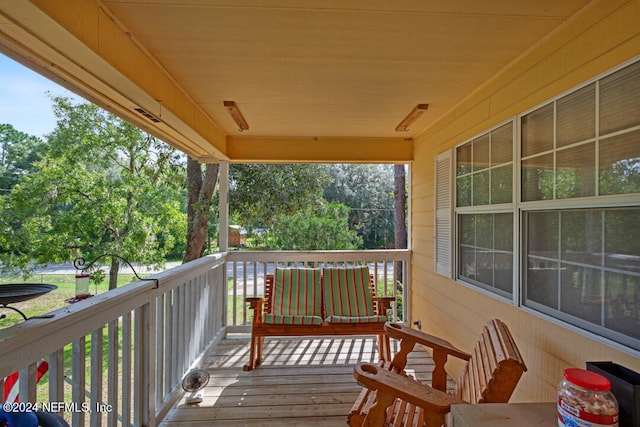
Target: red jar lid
(587, 379)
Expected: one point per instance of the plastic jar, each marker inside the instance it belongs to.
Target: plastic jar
(585, 400)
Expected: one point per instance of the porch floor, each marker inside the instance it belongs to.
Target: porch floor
(306, 381)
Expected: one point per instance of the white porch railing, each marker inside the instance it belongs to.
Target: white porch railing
(246, 271)
(117, 359)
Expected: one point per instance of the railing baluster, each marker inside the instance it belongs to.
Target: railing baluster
(126, 369)
(78, 377)
(27, 383)
(112, 373)
(159, 347)
(95, 417)
(169, 332)
(56, 376)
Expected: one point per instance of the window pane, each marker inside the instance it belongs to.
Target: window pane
(481, 188)
(620, 164)
(581, 293)
(593, 281)
(537, 131)
(543, 268)
(467, 232)
(623, 304)
(622, 279)
(502, 144)
(576, 116)
(467, 229)
(503, 260)
(622, 237)
(463, 159)
(537, 178)
(575, 172)
(620, 100)
(501, 184)
(481, 153)
(581, 238)
(486, 250)
(463, 191)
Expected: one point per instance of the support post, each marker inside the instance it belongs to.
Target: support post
(223, 207)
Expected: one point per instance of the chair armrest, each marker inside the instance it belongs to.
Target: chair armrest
(390, 385)
(441, 350)
(383, 304)
(401, 332)
(256, 304)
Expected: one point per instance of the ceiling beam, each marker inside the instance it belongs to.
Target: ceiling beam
(319, 150)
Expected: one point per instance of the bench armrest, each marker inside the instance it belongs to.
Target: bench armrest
(383, 304)
(256, 304)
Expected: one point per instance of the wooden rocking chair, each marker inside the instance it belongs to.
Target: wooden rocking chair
(391, 398)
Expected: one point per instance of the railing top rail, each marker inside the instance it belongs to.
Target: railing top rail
(27, 342)
(319, 256)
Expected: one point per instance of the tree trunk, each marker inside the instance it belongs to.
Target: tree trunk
(114, 269)
(399, 213)
(199, 193)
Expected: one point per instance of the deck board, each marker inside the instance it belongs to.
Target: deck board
(301, 382)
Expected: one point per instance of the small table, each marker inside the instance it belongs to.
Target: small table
(505, 414)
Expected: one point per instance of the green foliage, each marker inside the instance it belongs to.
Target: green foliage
(368, 191)
(102, 186)
(18, 152)
(259, 194)
(321, 227)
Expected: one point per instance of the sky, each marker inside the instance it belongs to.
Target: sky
(24, 102)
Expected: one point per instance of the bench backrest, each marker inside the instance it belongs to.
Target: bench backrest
(347, 291)
(358, 274)
(494, 369)
(296, 291)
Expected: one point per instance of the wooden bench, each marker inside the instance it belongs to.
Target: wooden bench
(318, 302)
(391, 398)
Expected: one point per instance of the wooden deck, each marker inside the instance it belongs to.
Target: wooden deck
(302, 382)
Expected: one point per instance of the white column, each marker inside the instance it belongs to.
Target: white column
(223, 207)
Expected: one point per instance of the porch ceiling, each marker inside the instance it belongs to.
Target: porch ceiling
(316, 80)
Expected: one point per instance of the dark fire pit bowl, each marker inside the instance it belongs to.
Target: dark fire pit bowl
(12, 293)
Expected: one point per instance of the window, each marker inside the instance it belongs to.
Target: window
(575, 215)
(484, 181)
(580, 161)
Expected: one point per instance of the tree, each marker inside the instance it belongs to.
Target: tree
(18, 152)
(259, 193)
(320, 227)
(399, 207)
(102, 186)
(200, 187)
(399, 213)
(368, 191)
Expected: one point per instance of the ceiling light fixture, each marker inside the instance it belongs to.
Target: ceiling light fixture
(236, 115)
(411, 117)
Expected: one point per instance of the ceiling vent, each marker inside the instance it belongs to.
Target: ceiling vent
(148, 115)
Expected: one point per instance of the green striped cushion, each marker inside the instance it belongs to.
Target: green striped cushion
(277, 319)
(360, 319)
(297, 297)
(348, 295)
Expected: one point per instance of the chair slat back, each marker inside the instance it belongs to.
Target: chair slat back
(494, 369)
